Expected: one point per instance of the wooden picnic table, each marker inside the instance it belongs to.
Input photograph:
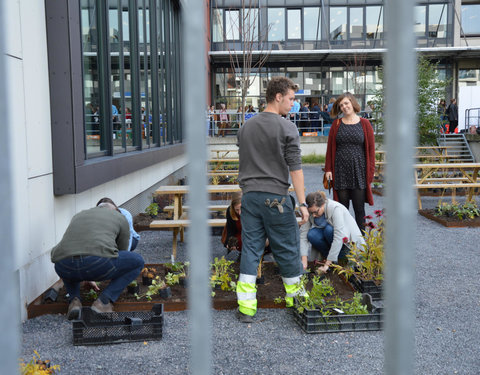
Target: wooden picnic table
(446, 176)
(224, 153)
(180, 221)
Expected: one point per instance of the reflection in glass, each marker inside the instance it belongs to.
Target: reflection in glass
(437, 21)
(312, 25)
(93, 121)
(232, 29)
(338, 23)
(471, 19)
(374, 19)
(419, 17)
(276, 22)
(217, 25)
(250, 27)
(294, 24)
(356, 23)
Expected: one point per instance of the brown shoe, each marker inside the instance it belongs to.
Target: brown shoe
(74, 309)
(99, 307)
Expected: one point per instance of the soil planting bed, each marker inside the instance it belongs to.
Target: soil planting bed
(450, 221)
(223, 300)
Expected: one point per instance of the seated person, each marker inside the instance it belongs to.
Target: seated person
(232, 232)
(134, 236)
(330, 225)
(94, 248)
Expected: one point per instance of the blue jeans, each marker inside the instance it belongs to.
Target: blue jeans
(322, 238)
(121, 271)
(259, 222)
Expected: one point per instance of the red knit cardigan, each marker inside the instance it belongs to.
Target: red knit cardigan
(369, 147)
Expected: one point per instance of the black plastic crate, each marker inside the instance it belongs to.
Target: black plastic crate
(366, 287)
(118, 327)
(312, 321)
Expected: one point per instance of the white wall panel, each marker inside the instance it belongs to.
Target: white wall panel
(37, 99)
(13, 40)
(41, 230)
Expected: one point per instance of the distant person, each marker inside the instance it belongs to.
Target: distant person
(294, 111)
(452, 113)
(94, 248)
(305, 117)
(350, 157)
(330, 106)
(329, 226)
(134, 236)
(269, 153)
(315, 117)
(223, 120)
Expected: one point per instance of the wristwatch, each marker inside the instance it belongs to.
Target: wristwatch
(303, 205)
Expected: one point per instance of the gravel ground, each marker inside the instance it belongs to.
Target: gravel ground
(446, 335)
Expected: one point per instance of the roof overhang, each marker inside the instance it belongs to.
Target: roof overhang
(335, 55)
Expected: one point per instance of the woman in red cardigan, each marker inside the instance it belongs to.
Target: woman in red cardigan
(350, 159)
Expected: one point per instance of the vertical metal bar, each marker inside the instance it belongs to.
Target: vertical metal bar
(168, 72)
(195, 74)
(121, 72)
(400, 93)
(9, 312)
(154, 70)
(104, 73)
(135, 73)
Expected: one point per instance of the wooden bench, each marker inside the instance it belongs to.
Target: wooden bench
(213, 207)
(452, 176)
(224, 153)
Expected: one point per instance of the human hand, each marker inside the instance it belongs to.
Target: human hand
(91, 284)
(305, 215)
(304, 262)
(323, 269)
(329, 175)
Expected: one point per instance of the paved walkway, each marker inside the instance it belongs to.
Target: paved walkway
(447, 332)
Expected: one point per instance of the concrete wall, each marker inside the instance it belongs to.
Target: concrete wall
(40, 217)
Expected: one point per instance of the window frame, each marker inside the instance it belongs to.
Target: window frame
(72, 172)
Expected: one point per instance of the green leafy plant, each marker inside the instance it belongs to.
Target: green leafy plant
(92, 295)
(366, 260)
(322, 297)
(157, 285)
(222, 272)
(38, 367)
(172, 278)
(134, 283)
(468, 210)
(152, 209)
(177, 267)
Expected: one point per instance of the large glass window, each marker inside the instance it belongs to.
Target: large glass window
(130, 95)
(356, 23)
(471, 19)
(294, 24)
(374, 19)
(437, 21)
(312, 25)
(419, 20)
(232, 23)
(338, 23)
(276, 23)
(217, 21)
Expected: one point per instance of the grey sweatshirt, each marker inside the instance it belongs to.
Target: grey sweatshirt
(269, 148)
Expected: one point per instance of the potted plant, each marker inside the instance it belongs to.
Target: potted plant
(221, 275)
(148, 273)
(133, 287)
(159, 287)
(176, 267)
(365, 262)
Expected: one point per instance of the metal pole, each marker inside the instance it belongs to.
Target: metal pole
(10, 310)
(194, 74)
(400, 101)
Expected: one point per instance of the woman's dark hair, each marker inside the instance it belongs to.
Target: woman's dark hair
(336, 106)
(279, 85)
(236, 199)
(317, 198)
(107, 200)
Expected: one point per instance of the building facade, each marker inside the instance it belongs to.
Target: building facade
(329, 47)
(94, 96)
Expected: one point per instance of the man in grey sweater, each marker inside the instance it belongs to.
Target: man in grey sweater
(95, 248)
(269, 152)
